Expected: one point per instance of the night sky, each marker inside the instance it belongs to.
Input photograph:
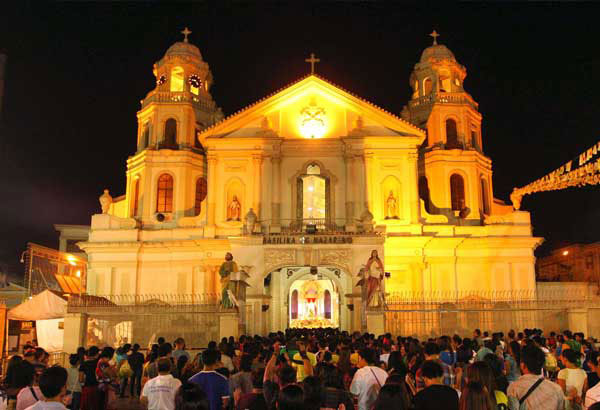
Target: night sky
(77, 72)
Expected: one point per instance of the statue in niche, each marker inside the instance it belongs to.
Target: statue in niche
(234, 210)
(371, 280)
(391, 207)
(227, 268)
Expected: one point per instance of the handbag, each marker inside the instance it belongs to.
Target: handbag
(125, 370)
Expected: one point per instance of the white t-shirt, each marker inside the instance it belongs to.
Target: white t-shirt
(384, 358)
(366, 384)
(161, 391)
(44, 405)
(592, 396)
(574, 378)
(227, 362)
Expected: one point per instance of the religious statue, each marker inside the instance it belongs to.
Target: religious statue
(225, 271)
(371, 280)
(234, 210)
(250, 221)
(391, 207)
(105, 201)
(515, 198)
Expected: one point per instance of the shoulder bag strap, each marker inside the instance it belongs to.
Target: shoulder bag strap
(375, 377)
(32, 390)
(531, 389)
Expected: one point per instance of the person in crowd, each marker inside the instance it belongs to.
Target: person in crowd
(593, 394)
(312, 393)
(191, 397)
(481, 373)
(485, 349)
(164, 350)
(334, 393)
(367, 380)
(90, 396)
(191, 368)
(291, 397)
(531, 389)
(214, 384)
(511, 361)
(53, 386)
(435, 391)
(29, 393)
(593, 377)
(391, 396)
(255, 399)
(447, 354)
(572, 379)
(384, 357)
(180, 349)
(226, 360)
(106, 374)
(136, 363)
(475, 396)
(303, 361)
(11, 381)
(159, 392)
(432, 352)
(123, 367)
(73, 384)
(242, 380)
(497, 366)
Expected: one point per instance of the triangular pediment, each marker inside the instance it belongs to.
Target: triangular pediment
(311, 108)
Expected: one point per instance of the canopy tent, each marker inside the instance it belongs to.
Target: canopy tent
(48, 309)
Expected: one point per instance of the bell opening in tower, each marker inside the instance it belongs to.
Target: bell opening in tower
(314, 303)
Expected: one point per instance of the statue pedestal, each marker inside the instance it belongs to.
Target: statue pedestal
(376, 322)
(229, 325)
(210, 231)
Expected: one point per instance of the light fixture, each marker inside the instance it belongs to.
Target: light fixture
(78, 274)
(565, 253)
(311, 188)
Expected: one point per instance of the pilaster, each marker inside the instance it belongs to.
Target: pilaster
(276, 194)
(212, 189)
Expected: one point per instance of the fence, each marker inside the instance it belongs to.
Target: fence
(118, 319)
(447, 313)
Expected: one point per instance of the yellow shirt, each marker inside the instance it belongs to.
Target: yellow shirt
(354, 359)
(300, 373)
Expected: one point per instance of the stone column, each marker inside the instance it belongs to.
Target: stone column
(369, 189)
(351, 183)
(212, 192)
(413, 188)
(276, 197)
(257, 166)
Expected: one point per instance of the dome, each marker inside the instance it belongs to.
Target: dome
(437, 51)
(183, 48)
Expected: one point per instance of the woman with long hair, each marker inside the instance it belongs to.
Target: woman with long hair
(475, 397)
(291, 397)
(191, 397)
(480, 372)
(391, 396)
(333, 393)
(512, 359)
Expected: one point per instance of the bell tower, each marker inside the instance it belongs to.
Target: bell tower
(455, 178)
(166, 178)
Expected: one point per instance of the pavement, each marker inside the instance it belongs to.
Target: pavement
(128, 403)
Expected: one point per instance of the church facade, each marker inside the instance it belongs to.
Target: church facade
(301, 187)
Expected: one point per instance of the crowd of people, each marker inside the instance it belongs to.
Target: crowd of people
(312, 369)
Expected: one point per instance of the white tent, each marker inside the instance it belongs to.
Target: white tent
(48, 309)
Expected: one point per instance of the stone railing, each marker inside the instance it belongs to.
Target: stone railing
(444, 98)
(176, 97)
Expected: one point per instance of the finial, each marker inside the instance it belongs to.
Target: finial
(433, 34)
(312, 60)
(185, 33)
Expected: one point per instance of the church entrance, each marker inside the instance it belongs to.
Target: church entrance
(314, 302)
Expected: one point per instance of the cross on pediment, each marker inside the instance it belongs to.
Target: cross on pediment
(312, 60)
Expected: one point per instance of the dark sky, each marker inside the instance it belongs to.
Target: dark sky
(77, 71)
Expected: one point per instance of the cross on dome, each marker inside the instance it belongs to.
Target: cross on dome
(435, 35)
(185, 33)
(312, 60)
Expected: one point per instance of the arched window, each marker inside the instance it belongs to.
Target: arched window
(327, 304)
(485, 198)
(177, 79)
(146, 136)
(164, 194)
(294, 305)
(201, 190)
(451, 134)
(170, 133)
(416, 89)
(424, 191)
(136, 196)
(427, 86)
(457, 192)
(474, 140)
(445, 82)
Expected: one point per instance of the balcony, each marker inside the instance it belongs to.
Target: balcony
(177, 98)
(307, 231)
(443, 98)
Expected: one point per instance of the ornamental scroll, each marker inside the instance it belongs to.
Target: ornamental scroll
(586, 172)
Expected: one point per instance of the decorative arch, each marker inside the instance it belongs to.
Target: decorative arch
(294, 304)
(145, 138)
(135, 192)
(201, 192)
(297, 185)
(170, 136)
(391, 197)
(177, 79)
(452, 133)
(164, 192)
(234, 191)
(445, 81)
(427, 86)
(457, 192)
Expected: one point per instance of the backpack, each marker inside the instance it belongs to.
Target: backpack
(125, 369)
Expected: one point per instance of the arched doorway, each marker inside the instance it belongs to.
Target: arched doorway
(314, 302)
